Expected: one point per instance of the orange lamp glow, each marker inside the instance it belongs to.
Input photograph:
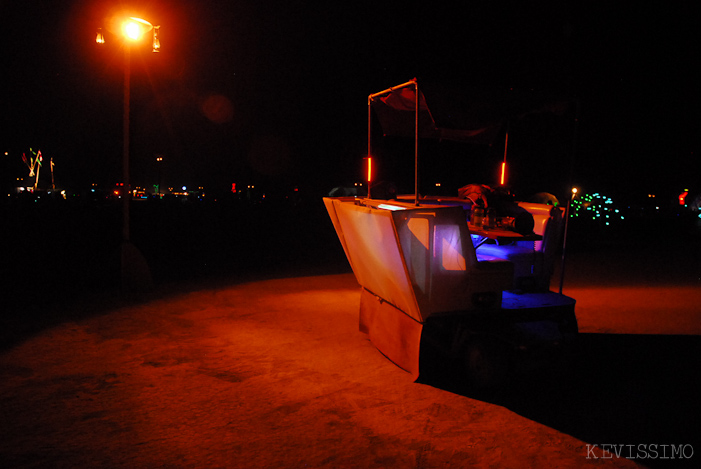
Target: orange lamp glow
(134, 28)
(502, 180)
(369, 169)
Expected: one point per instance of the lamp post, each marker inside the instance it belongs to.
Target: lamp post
(134, 270)
(133, 29)
(564, 239)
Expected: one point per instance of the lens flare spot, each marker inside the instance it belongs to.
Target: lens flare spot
(217, 108)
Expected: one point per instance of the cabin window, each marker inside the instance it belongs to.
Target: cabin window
(448, 245)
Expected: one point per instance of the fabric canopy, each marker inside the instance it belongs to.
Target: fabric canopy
(455, 112)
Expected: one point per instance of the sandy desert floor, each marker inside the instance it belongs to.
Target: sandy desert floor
(269, 369)
(274, 373)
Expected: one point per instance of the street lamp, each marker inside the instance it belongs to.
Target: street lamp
(134, 268)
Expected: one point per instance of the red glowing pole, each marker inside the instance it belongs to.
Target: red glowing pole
(503, 164)
(369, 171)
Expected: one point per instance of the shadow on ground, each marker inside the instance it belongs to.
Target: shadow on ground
(619, 389)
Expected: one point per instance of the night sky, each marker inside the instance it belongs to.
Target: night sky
(275, 93)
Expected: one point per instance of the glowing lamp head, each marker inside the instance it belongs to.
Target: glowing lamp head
(135, 28)
(132, 30)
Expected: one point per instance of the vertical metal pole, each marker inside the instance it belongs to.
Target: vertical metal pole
(416, 143)
(369, 138)
(575, 135)
(564, 242)
(126, 193)
(571, 196)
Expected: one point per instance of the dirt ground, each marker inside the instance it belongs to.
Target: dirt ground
(274, 373)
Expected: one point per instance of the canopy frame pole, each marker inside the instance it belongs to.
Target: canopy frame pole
(389, 90)
(371, 98)
(369, 136)
(416, 143)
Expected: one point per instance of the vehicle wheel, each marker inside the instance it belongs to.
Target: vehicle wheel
(487, 364)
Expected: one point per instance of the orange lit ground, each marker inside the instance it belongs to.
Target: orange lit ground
(275, 374)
